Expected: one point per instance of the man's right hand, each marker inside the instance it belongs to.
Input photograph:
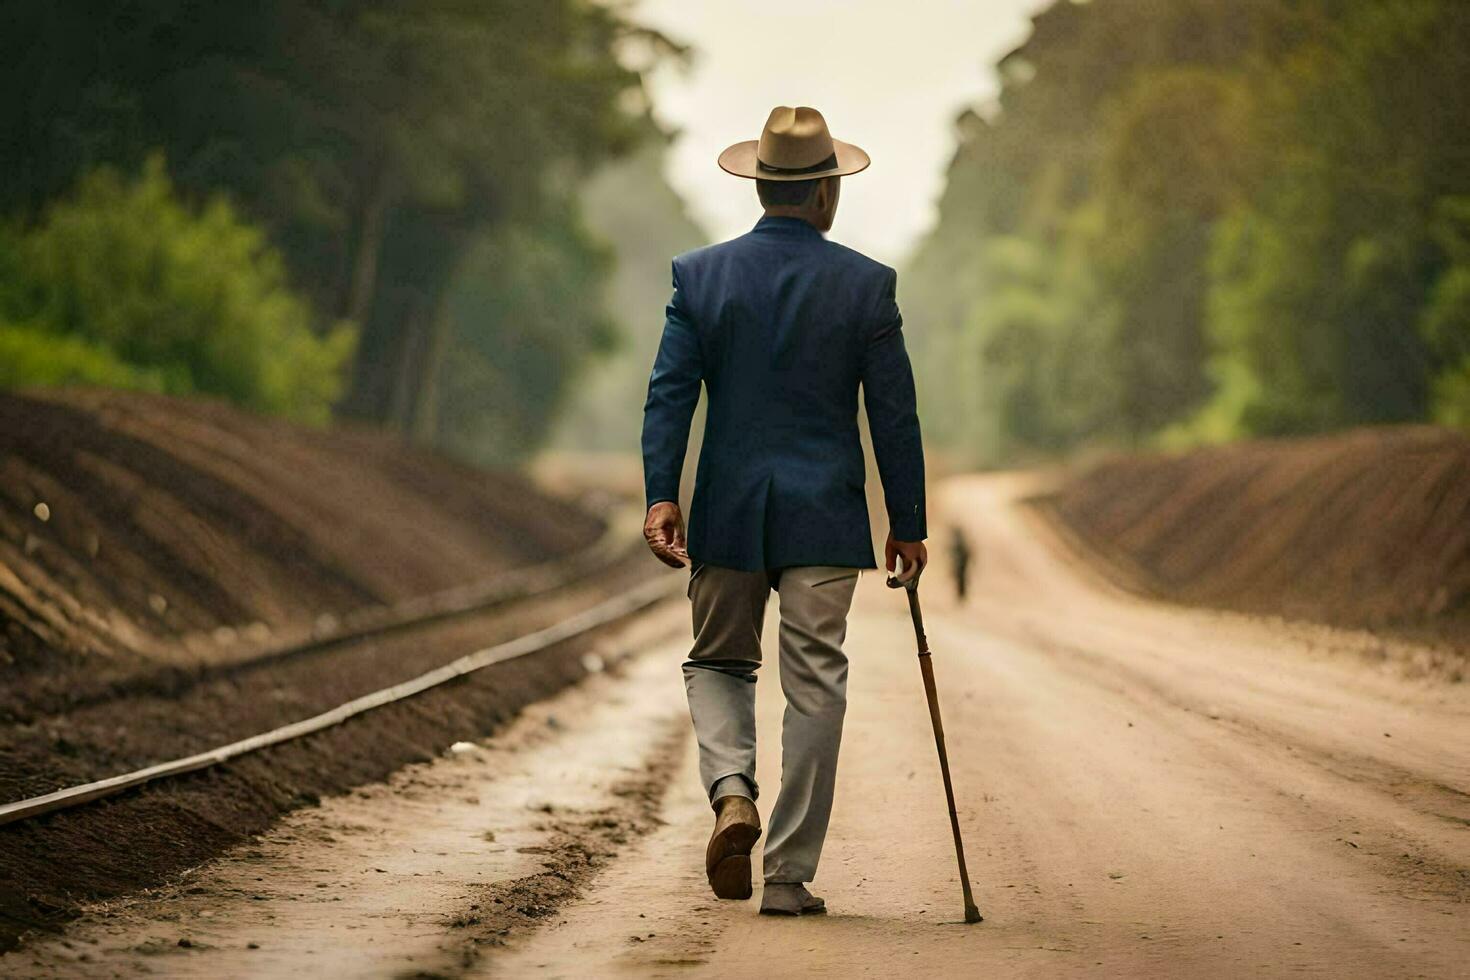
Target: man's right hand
(663, 529)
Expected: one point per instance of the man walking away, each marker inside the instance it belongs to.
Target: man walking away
(781, 327)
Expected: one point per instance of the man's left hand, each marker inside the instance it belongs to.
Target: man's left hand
(663, 529)
(914, 554)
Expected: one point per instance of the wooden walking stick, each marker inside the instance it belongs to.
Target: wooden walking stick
(926, 667)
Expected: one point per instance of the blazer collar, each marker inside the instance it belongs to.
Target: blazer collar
(781, 225)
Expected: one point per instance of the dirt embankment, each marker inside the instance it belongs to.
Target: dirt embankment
(1366, 529)
(138, 531)
(143, 539)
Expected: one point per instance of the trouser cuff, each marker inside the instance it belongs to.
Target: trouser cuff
(732, 785)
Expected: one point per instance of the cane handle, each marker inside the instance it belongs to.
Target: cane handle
(896, 581)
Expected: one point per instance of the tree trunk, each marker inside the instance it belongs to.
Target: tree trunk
(369, 395)
(436, 345)
(369, 246)
(403, 396)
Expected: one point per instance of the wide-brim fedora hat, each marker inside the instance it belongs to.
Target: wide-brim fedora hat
(794, 145)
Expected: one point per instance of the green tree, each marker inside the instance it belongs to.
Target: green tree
(1326, 305)
(377, 142)
(1111, 152)
(1445, 323)
(628, 205)
(36, 356)
(528, 304)
(1244, 216)
(137, 289)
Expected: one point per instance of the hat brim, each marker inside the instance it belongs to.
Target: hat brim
(740, 160)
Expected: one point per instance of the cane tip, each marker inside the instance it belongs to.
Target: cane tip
(972, 915)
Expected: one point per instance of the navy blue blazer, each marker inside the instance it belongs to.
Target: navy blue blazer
(782, 326)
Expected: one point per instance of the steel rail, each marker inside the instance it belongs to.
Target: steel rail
(634, 600)
(334, 630)
(513, 584)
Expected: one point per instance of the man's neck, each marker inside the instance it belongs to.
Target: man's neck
(804, 215)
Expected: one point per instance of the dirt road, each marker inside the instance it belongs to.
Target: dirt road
(1145, 790)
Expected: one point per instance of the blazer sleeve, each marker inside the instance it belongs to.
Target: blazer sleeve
(893, 418)
(673, 392)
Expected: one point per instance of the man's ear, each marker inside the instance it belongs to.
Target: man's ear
(833, 186)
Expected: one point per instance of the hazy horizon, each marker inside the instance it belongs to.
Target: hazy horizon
(894, 88)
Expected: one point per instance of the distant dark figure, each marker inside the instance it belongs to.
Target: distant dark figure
(959, 556)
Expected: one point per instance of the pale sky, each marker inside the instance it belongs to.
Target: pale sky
(888, 75)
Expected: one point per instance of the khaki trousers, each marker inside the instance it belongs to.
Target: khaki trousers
(729, 609)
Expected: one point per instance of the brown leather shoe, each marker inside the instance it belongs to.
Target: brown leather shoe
(727, 858)
(781, 898)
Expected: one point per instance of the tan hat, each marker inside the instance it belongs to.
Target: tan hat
(795, 145)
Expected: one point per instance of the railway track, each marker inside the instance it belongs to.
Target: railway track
(611, 610)
(181, 768)
(354, 656)
(327, 630)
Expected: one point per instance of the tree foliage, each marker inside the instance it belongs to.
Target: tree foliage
(628, 205)
(127, 286)
(504, 385)
(380, 145)
(1236, 218)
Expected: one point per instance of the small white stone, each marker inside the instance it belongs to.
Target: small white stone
(43, 511)
(592, 663)
(459, 748)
